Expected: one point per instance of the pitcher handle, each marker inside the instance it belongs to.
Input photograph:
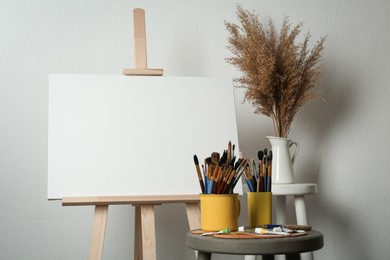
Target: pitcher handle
(295, 152)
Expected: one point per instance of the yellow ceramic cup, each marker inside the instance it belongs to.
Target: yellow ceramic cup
(259, 208)
(219, 211)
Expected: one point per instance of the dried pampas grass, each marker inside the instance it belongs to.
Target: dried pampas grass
(279, 75)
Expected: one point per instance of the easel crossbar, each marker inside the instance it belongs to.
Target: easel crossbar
(134, 200)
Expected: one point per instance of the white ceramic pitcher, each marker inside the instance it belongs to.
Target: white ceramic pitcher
(282, 161)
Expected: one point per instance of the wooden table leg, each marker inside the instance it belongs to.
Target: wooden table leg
(98, 232)
(280, 209)
(300, 211)
(292, 257)
(204, 256)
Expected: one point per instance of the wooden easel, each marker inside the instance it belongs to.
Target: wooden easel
(141, 64)
(145, 234)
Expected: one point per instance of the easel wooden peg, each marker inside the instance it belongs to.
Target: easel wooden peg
(141, 65)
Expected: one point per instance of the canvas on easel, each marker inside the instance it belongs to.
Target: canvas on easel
(114, 135)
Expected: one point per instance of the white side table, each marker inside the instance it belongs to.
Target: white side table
(298, 190)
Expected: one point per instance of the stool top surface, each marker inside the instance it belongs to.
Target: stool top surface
(271, 246)
(294, 189)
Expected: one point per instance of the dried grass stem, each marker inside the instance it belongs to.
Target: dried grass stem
(278, 74)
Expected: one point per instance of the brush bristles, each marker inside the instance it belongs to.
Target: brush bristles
(196, 160)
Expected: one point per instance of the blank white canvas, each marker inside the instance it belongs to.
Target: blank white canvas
(112, 135)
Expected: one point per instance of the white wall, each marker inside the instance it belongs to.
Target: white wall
(344, 141)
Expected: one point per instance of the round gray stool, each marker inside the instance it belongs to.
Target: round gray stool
(289, 246)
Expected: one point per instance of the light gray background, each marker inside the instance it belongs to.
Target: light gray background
(344, 140)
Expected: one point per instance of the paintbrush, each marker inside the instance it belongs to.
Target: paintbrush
(196, 161)
(248, 179)
(225, 179)
(205, 180)
(229, 182)
(269, 181)
(208, 162)
(240, 170)
(265, 174)
(230, 179)
(224, 158)
(232, 161)
(234, 147)
(254, 176)
(219, 179)
(215, 157)
(270, 163)
(216, 176)
(212, 178)
(260, 155)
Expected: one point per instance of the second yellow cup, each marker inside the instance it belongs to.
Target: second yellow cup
(219, 211)
(259, 208)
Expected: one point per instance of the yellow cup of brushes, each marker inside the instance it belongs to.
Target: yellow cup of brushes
(259, 208)
(219, 211)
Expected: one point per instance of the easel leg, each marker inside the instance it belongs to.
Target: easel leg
(145, 233)
(138, 234)
(193, 215)
(98, 232)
